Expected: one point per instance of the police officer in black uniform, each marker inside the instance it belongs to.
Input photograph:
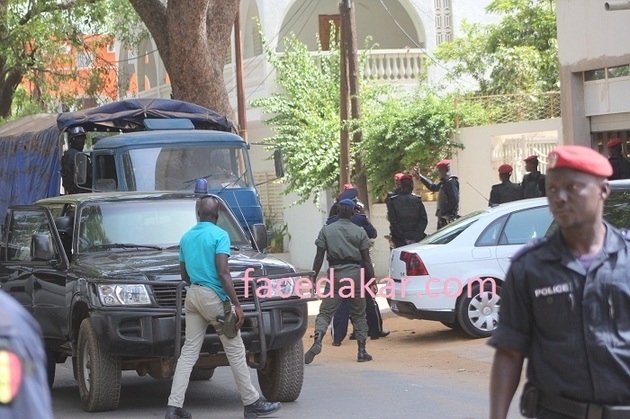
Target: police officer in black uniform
(406, 214)
(506, 191)
(24, 391)
(533, 182)
(448, 193)
(76, 143)
(619, 163)
(565, 304)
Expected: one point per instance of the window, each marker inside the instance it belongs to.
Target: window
(592, 75)
(490, 236)
(24, 225)
(617, 208)
(84, 59)
(526, 225)
(443, 21)
(448, 233)
(620, 71)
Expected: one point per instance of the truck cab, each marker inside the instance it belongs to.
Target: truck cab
(173, 159)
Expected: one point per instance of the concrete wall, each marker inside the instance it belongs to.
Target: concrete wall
(475, 165)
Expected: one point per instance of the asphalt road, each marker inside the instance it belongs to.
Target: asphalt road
(422, 370)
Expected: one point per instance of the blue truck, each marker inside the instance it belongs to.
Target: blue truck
(143, 145)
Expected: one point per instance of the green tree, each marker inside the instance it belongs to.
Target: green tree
(518, 54)
(398, 128)
(33, 34)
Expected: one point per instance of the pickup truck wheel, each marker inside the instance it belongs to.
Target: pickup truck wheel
(50, 367)
(478, 315)
(99, 372)
(281, 378)
(201, 374)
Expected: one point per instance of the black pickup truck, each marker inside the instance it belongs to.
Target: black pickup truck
(100, 272)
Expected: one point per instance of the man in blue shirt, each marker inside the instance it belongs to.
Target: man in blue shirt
(203, 262)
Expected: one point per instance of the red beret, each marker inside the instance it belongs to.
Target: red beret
(406, 176)
(580, 158)
(347, 186)
(505, 168)
(398, 176)
(443, 163)
(530, 158)
(613, 142)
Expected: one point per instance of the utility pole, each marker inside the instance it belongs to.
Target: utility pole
(350, 89)
(240, 88)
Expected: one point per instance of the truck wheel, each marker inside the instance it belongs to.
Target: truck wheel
(99, 372)
(51, 357)
(201, 374)
(281, 378)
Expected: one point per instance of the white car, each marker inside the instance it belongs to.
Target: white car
(455, 275)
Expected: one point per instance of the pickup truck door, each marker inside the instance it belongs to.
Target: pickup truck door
(38, 284)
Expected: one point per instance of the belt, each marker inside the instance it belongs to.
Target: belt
(336, 262)
(581, 410)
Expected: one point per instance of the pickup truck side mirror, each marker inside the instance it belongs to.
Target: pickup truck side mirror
(278, 162)
(259, 233)
(41, 247)
(80, 168)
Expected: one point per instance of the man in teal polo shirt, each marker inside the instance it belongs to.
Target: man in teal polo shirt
(203, 262)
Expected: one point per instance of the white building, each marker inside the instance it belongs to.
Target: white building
(406, 33)
(594, 71)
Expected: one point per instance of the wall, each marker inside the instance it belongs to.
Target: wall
(475, 166)
(589, 37)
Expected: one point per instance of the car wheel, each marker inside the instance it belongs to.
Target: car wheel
(98, 372)
(201, 374)
(281, 378)
(478, 314)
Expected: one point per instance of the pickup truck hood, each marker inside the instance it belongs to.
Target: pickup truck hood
(152, 265)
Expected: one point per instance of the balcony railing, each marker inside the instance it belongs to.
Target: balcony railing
(394, 65)
(502, 109)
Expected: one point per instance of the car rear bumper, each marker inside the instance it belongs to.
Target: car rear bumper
(409, 310)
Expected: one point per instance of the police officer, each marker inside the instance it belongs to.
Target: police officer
(533, 182)
(347, 247)
(76, 143)
(620, 164)
(448, 193)
(565, 304)
(406, 214)
(373, 314)
(506, 191)
(24, 391)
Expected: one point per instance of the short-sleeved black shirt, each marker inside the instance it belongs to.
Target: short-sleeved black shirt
(572, 325)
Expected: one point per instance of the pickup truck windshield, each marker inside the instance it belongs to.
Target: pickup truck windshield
(144, 225)
(173, 168)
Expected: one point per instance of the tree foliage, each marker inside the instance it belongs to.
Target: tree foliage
(398, 128)
(34, 35)
(518, 54)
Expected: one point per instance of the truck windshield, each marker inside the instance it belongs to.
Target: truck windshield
(175, 168)
(145, 224)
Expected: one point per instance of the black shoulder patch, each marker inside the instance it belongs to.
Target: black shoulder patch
(534, 244)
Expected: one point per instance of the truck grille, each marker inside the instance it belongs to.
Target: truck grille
(165, 293)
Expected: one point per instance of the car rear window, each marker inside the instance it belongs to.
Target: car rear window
(448, 233)
(617, 208)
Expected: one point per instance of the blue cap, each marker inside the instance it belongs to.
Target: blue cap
(347, 202)
(351, 193)
(201, 186)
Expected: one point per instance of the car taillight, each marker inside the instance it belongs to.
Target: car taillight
(413, 264)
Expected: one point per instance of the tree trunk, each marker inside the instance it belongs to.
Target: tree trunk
(8, 85)
(193, 37)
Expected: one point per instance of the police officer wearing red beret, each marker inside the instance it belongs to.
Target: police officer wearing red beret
(620, 164)
(565, 304)
(506, 191)
(448, 192)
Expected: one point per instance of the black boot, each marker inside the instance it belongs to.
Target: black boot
(315, 349)
(173, 412)
(261, 407)
(363, 356)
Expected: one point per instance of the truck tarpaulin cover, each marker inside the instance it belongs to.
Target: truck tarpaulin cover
(128, 115)
(31, 167)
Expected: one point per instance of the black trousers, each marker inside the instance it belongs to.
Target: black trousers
(342, 316)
